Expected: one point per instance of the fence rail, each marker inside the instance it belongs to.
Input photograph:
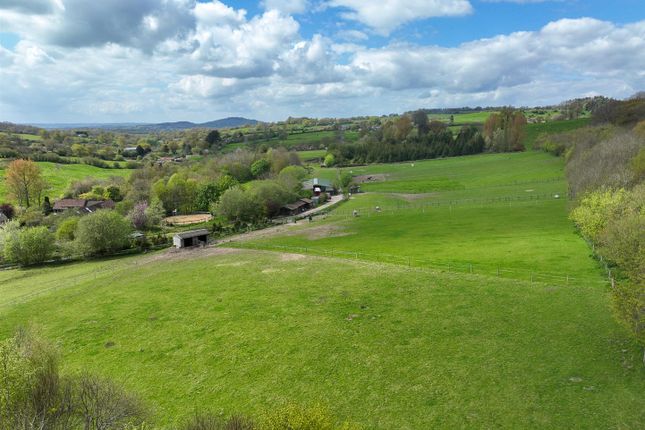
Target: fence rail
(447, 267)
(503, 200)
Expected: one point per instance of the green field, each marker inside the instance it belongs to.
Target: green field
(23, 136)
(463, 118)
(467, 301)
(59, 176)
(382, 345)
(551, 127)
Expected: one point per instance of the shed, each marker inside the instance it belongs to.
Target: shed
(296, 207)
(190, 238)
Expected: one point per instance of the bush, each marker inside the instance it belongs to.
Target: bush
(596, 209)
(102, 233)
(8, 210)
(292, 417)
(29, 246)
(66, 229)
(34, 395)
(212, 422)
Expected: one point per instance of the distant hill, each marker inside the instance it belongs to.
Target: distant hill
(163, 126)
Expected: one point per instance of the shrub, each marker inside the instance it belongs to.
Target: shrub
(596, 209)
(34, 395)
(66, 229)
(292, 416)
(101, 233)
(212, 422)
(8, 210)
(28, 246)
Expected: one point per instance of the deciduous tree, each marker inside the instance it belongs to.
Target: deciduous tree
(25, 183)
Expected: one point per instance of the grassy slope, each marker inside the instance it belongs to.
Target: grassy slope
(59, 176)
(242, 332)
(551, 127)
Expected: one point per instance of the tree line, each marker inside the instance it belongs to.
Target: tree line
(605, 168)
(414, 137)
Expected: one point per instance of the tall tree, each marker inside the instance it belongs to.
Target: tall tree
(25, 182)
(420, 119)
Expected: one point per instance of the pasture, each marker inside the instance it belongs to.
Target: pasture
(59, 176)
(382, 345)
(373, 325)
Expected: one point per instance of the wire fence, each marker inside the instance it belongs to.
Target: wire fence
(490, 270)
(480, 202)
(77, 279)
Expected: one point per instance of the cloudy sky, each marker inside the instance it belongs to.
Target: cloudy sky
(167, 60)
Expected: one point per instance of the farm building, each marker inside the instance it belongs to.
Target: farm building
(82, 206)
(319, 186)
(190, 238)
(296, 207)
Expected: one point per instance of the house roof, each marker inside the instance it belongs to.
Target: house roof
(3, 218)
(69, 203)
(192, 233)
(88, 205)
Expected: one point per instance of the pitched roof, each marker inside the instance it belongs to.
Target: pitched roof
(192, 233)
(69, 203)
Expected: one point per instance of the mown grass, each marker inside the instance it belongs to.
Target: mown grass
(59, 176)
(383, 346)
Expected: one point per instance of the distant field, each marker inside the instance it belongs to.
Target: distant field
(551, 127)
(59, 176)
(462, 118)
(23, 136)
(312, 155)
(494, 210)
(383, 346)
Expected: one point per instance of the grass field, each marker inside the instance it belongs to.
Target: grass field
(372, 330)
(23, 136)
(59, 176)
(383, 346)
(492, 211)
(551, 127)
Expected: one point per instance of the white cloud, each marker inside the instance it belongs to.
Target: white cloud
(386, 15)
(227, 63)
(286, 6)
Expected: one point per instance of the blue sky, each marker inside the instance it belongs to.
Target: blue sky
(161, 60)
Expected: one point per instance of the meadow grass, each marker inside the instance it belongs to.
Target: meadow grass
(383, 346)
(551, 127)
(24, 136)
(59, 176)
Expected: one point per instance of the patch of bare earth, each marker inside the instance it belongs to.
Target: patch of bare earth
(291, 257)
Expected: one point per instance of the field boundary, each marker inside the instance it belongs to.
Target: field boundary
(470, 268)
(449, 203)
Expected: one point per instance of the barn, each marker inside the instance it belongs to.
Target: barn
(190, 238)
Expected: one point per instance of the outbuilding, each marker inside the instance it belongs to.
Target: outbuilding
(190, 238)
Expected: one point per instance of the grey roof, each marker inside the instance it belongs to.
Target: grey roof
(3, 218)
(192, 233)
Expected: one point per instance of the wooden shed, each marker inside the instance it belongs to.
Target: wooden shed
(190, 238)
